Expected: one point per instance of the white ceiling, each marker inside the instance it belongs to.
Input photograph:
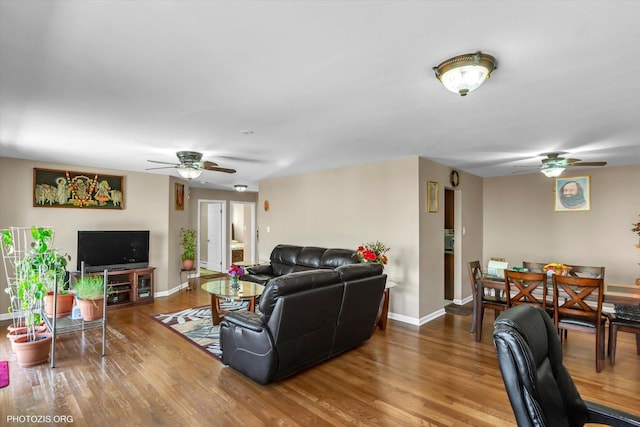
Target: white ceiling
(322, 84)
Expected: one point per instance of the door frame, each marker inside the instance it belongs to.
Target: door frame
(223, 219)
(254, 228)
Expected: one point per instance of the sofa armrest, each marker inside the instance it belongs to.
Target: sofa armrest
(260, 269)
(245, 319)
(600, 414)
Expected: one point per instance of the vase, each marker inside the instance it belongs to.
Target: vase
(235, 281)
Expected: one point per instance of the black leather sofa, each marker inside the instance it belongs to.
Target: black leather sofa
(304, 318)
(287, 259)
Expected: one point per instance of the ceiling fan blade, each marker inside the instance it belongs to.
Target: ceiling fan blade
(217, 169)
(207, 164)
(589, 164)
(162, 167)
(526, 166)
(162, 163)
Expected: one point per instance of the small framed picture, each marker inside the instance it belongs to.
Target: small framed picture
(179, 196)
(572, 194)
(432, 196)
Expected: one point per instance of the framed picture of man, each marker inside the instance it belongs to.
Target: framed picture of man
(572, 194)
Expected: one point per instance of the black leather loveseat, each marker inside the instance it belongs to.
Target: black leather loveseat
(287, 259)
(304, 318)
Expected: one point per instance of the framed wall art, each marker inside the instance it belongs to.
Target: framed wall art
(68, 189)
(572, 194)
(179, 196)
(432, 196)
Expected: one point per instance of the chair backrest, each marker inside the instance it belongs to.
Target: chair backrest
(540, 389)
(520, 288)
(534, 267)
(475, 273)
(586, 271)
(578, 298)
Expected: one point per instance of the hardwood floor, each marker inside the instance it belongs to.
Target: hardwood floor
(433, 375)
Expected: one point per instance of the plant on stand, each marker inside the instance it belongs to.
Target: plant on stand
(188, 242)
(36, 272)
(89, 291)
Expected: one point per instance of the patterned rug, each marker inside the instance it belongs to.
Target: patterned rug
(194, 324)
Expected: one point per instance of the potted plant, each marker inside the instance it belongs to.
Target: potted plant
(89, 292)
(35, 272)
(188, 242)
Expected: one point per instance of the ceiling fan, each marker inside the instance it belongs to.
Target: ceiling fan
(554, 165)
(190, 165)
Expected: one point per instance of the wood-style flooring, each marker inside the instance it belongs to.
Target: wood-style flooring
(433, 375)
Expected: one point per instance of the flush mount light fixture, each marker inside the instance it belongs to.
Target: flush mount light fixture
(188, 171)
(241, 188)
(552, 171)
(464, 73)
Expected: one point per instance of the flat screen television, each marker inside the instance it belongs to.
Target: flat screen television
(113, 250)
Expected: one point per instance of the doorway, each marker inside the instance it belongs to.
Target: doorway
(243, 232)
(449, 245)
(211, 238)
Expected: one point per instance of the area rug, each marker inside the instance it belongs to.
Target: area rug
(194, 324)
(210, 274)
(4, 373)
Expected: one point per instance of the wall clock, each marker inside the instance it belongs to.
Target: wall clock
(454, 178)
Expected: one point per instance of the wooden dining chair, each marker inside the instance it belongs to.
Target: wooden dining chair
(623, 322)
(534, 267)
(526, 288)
(577, 306)
(586, 271)
(489, 300)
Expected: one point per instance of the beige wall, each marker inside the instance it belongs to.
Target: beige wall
(382, 201)
(520, 223)
(146, 203)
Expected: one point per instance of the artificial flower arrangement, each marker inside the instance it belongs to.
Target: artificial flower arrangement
(235, 270)
(372, 252)
(559, 269)
(636, 228)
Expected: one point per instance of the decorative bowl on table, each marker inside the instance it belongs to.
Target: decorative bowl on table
(557, 268)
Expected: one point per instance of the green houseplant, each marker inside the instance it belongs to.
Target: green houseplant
(188, 243)
(39, 269)
(89, 292)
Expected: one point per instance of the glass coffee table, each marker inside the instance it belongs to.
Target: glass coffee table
(221, 289)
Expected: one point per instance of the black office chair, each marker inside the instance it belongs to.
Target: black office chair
(539, 386)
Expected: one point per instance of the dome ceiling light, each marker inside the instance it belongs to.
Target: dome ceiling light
(465, 73)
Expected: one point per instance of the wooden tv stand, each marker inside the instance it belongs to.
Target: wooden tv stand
(129, 287)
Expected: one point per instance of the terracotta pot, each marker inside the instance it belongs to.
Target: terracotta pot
(31, 353)
(20, 325)
(91, 309)
(187, 264)
(65, 304)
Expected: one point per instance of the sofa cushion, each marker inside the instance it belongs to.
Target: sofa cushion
(332, 258)
(292, 283)
(359, 271)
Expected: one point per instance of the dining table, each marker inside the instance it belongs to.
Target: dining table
(614, 294)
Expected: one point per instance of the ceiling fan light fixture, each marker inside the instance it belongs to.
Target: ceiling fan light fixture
(465, 73)
(189, 172)
(240, 187)
(552, 171)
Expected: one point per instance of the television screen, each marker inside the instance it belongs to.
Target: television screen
(113, 250)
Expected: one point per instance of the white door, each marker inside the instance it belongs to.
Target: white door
(214, 237)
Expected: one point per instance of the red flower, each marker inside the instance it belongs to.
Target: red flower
(369, 256)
